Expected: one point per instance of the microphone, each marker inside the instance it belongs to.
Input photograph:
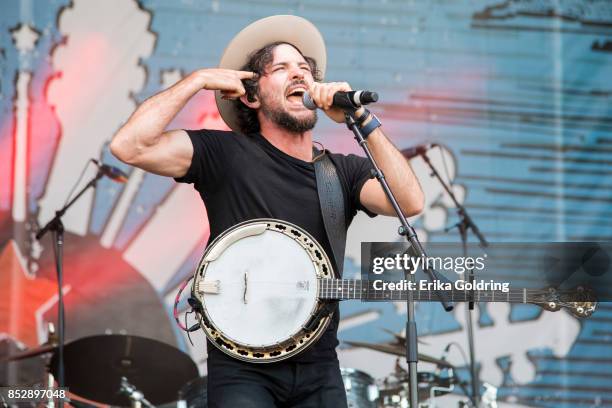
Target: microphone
(111, 172)
(446, 350)
(444, 356)
(345, 100)
(418, 150)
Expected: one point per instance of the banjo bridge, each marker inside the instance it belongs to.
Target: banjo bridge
(246, 283)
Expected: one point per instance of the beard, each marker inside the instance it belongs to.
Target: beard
(285, 120)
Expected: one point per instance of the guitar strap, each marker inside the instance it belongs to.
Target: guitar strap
(331, 200)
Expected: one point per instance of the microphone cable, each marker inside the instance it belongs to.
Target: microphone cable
(195, 306)
(76, 184)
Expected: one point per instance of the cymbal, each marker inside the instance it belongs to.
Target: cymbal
(36, 351)
(401, 338)
(398, 350)
(94, 367)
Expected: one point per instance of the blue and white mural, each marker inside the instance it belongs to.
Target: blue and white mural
(516, 92)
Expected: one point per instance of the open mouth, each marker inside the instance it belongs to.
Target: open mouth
(295, 95)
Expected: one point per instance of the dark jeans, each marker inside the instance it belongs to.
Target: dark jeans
(233, 383)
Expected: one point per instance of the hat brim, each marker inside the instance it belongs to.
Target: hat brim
(293, 30)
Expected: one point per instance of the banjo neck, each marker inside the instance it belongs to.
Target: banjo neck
(345, 289)
(579, 301)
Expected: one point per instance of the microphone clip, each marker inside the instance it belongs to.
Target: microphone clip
(113, 173)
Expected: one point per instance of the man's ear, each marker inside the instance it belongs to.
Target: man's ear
(253, 103)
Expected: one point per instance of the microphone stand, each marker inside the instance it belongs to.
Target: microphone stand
(465, 223)
(410, 235)
(56, 226)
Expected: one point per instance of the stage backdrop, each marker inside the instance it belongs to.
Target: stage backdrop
(517, 93)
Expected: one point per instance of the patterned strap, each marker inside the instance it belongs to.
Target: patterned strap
(331, 200)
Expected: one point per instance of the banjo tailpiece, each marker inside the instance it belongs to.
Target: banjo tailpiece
(326, 310)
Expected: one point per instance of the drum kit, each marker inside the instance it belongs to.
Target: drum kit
(363, 391)
(132, 371)
(392, 391)
(123, 371)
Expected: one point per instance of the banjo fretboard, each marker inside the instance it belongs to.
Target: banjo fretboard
(344, 289)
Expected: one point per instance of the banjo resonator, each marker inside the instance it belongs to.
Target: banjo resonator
(258, 285)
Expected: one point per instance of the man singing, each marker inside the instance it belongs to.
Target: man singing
(263, 168)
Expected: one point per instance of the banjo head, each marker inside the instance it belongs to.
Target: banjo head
(258, 285)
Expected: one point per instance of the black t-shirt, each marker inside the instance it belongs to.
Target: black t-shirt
(241, 178)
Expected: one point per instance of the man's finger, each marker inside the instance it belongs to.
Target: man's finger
(232, 93)
(337, 87)
(331, 91)
(246, 74)
(236, 86)
(317, 89)
(324, 96)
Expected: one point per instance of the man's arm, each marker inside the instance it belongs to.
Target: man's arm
(143, 140)
(399, 176)
(397, 171)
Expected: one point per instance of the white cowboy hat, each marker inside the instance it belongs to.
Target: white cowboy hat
(294, 30)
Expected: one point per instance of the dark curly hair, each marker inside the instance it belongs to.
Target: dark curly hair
(257, 62)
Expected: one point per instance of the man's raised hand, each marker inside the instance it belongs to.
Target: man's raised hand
(228, 81)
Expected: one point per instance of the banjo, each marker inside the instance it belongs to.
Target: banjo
(263, 288)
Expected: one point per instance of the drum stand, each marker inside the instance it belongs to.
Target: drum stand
(465, 223)
(136, 396)
(410, 235)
